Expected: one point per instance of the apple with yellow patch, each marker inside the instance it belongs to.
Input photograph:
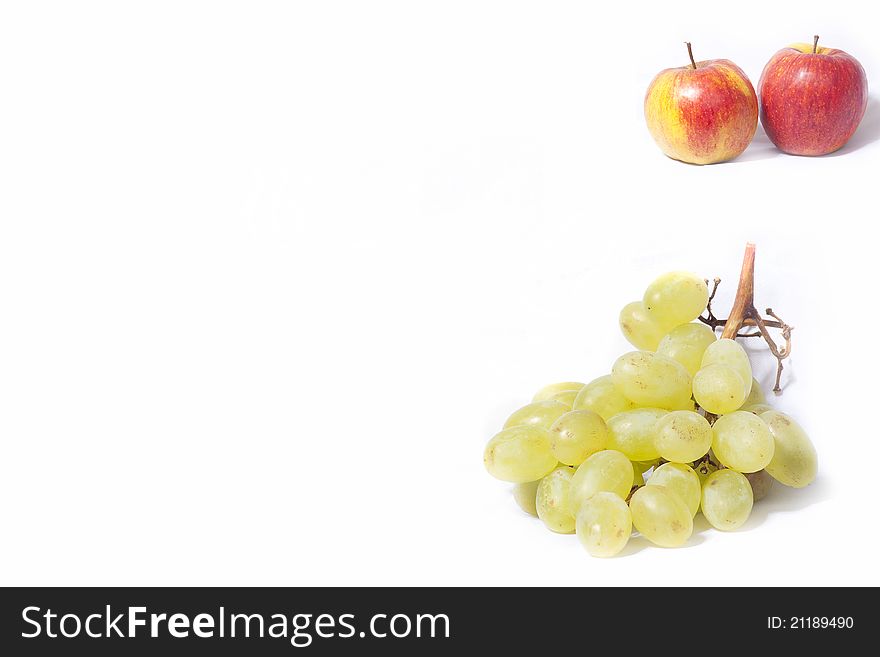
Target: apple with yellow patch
(702, 113)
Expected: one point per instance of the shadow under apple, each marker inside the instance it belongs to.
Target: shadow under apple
(761, 148)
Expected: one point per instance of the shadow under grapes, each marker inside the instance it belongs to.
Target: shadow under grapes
(784, 499)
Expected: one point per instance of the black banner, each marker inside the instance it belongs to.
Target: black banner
(406, 621)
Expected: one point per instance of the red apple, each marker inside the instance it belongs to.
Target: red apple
(812, 98)
(702, 113)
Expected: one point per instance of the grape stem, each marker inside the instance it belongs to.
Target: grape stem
(707, 459)
(744, 313)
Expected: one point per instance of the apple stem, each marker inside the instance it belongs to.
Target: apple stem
(743, 313)
(691, 54)
(815, 43)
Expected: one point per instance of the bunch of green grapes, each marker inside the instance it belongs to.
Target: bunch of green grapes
(677, 428)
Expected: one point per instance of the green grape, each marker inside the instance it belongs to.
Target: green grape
(632, 433)
(652, 380)
(520, 454)
(685, 405)
(719, 389)
(729, 352)
(757, 409)
(577, 435)
(761, 483)
(756, 395)
(600, 396)
(686, 344)
(794, 462)
(567, 397)
(548, 391)
(524, 494)
(537, 414)
(660, 516)
(641, 330)
(727, 499)
(682, 436)
(676, 297)
(553, 501)
(681, 480)
(607, 470)
(742, 441)
(604, 524)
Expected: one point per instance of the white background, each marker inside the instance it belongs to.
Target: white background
(271, 274)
